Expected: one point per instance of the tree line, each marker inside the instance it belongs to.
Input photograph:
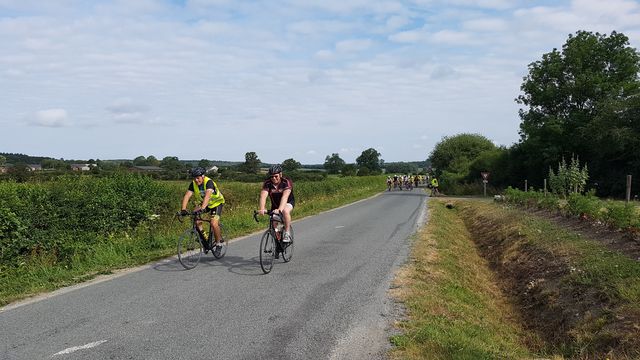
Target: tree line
(582, 101)
(171, 167)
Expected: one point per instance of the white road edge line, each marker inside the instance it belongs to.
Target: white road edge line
(76, 348)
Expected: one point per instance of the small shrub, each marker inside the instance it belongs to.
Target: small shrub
(583, 205)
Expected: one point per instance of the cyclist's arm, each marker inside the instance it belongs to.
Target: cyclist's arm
(185, 199)
(284, 199)
(263, 201)
(207, 196)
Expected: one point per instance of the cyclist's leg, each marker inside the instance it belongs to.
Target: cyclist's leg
(287, 216)
(215, 222)
(199, 224)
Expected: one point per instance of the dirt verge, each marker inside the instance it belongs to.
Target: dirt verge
(578, 321)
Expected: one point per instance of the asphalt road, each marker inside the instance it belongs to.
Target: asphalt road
(329, 302)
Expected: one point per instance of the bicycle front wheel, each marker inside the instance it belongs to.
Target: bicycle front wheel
(267, 251)
(287, 251)
(221, 249)
(189, 249)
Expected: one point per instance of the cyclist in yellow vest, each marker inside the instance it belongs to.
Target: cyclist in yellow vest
(434, 187)
(209, 197)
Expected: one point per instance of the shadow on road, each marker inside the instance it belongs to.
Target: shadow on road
(234, 264)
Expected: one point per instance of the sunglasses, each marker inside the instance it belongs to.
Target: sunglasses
(274, 176)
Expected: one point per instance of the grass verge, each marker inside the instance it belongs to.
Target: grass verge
(454, 309)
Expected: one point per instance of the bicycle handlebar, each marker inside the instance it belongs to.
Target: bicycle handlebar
(269, 212)
(197, 215)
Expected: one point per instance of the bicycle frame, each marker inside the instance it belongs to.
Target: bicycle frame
(274, 231)
(192, 236)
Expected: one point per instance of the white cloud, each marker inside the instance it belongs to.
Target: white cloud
(353, 45)
(49, 118)
(452, 37)
(409, 36)
(324, 55)
(127, 111)
(486, 24)
(442, 72)
(396, 21)
(125, 106)
(318, 27)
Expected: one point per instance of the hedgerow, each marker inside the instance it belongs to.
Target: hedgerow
(615, 214)
(70, 214)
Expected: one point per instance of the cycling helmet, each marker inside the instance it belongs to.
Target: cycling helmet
(197, 171)
(275, 169)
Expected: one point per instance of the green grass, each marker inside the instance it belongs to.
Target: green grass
(455, 310)
(150, 240)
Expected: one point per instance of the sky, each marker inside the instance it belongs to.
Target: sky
(301, 79)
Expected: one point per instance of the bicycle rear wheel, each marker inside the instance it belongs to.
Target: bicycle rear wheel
(267, 251)
(287, 252)
(189, 249)
(220, 251)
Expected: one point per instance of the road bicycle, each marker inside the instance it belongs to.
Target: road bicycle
(192, 243)
(271, 244)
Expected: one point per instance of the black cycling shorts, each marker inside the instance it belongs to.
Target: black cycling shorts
(217, 210)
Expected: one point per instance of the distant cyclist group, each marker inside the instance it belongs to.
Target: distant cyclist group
(408, 182)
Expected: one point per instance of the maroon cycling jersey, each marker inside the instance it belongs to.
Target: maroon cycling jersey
(275, 191)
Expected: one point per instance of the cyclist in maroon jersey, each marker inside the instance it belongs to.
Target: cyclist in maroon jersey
(280, 190)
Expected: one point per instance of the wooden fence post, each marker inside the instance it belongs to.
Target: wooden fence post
(628, 188)
(545, 187)
(525, 186)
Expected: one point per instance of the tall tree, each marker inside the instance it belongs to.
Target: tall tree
(152, 161)
(369, 159)
(579, 101)
(171, 163)
(140, 161)
(290, 165)
(204, 163)
(251, 163)
(456, 153)
(3, 160)
(333, 164)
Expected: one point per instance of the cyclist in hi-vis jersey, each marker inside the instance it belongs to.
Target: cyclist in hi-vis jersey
(280, 190)
(211, 199)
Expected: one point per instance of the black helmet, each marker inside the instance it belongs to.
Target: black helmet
(197, 171)
(275, 169)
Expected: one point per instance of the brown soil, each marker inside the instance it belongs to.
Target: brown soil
(565, 315)
(626, 242)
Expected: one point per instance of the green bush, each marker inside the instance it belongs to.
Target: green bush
(71, 213)
(584, 205)
(620, 215)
